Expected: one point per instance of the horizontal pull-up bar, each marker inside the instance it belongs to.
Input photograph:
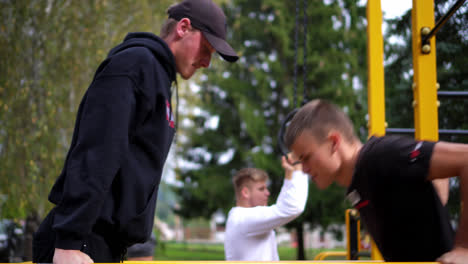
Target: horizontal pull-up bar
(452, 94)
(411, 131)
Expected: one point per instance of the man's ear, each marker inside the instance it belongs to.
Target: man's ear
(183, 26)
(335, 138)
(245, 192)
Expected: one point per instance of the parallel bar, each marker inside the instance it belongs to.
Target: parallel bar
(375, 69)
(375, 253)
(353, 233)
(363, 254)
(441, 131)
(326, 254)
(442, 21)
(452, 94)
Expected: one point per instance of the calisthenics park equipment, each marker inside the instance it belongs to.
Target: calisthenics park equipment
(425, 108)
(425, 95)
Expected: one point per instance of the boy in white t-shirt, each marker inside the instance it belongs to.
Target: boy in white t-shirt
(250, 225)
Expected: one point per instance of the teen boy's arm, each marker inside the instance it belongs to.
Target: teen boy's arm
(449, 160)
(289, 204)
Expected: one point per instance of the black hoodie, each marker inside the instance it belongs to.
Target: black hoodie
(122, 136)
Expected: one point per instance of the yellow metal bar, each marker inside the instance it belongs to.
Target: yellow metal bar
(375, 253)
(348, 214)
(356, 212)
(376, 81)
(425, 101)
(375, 69)
(272, 262)
(264, 262)
(348, 236)
(326, 254)
(425, 75)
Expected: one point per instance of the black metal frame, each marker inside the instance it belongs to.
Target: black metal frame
(441, 131)
(452, 94)
(283, 149)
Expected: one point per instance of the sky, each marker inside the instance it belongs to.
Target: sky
(393, 8)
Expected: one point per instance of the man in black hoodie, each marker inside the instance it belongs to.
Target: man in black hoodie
(105, 196)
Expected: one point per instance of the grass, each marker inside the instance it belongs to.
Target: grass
(189, 251)
(195, 251)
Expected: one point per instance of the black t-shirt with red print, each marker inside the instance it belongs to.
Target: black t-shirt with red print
(399, 207)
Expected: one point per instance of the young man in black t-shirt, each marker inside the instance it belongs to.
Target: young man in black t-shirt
(389, 182)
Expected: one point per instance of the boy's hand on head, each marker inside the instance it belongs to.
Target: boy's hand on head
(458, 255)
(290, 165)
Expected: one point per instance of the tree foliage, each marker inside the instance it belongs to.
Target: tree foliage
(451, 44)
(49, 52)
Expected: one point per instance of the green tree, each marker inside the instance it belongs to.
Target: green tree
(49, 51)
(251, 98)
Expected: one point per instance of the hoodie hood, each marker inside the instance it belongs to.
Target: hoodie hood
(155, 44)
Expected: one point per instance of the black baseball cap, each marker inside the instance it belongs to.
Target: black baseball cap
(207, 17)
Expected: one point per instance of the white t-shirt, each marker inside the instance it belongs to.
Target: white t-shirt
(249, 231)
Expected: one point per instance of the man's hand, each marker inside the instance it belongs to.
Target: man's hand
(458, 255)
(290, 167)
(68, 256)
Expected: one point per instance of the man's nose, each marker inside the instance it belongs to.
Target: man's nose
(205, 61)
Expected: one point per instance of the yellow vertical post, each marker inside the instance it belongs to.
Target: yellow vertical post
(353, 226)
(425, 103)
(348, 234)
(375, 253)
(375, 69)
(376, 81)
(425, 75)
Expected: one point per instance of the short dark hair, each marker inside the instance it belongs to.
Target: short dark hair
(167, 27)
(319, 117)
(246, 176)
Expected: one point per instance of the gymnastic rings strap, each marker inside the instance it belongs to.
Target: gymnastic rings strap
(283, 149)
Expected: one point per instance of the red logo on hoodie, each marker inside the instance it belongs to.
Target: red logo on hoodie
(169, 115)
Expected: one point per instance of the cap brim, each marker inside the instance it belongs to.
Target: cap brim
(222, 47)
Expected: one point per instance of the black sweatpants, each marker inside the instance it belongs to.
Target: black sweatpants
(94, 245)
